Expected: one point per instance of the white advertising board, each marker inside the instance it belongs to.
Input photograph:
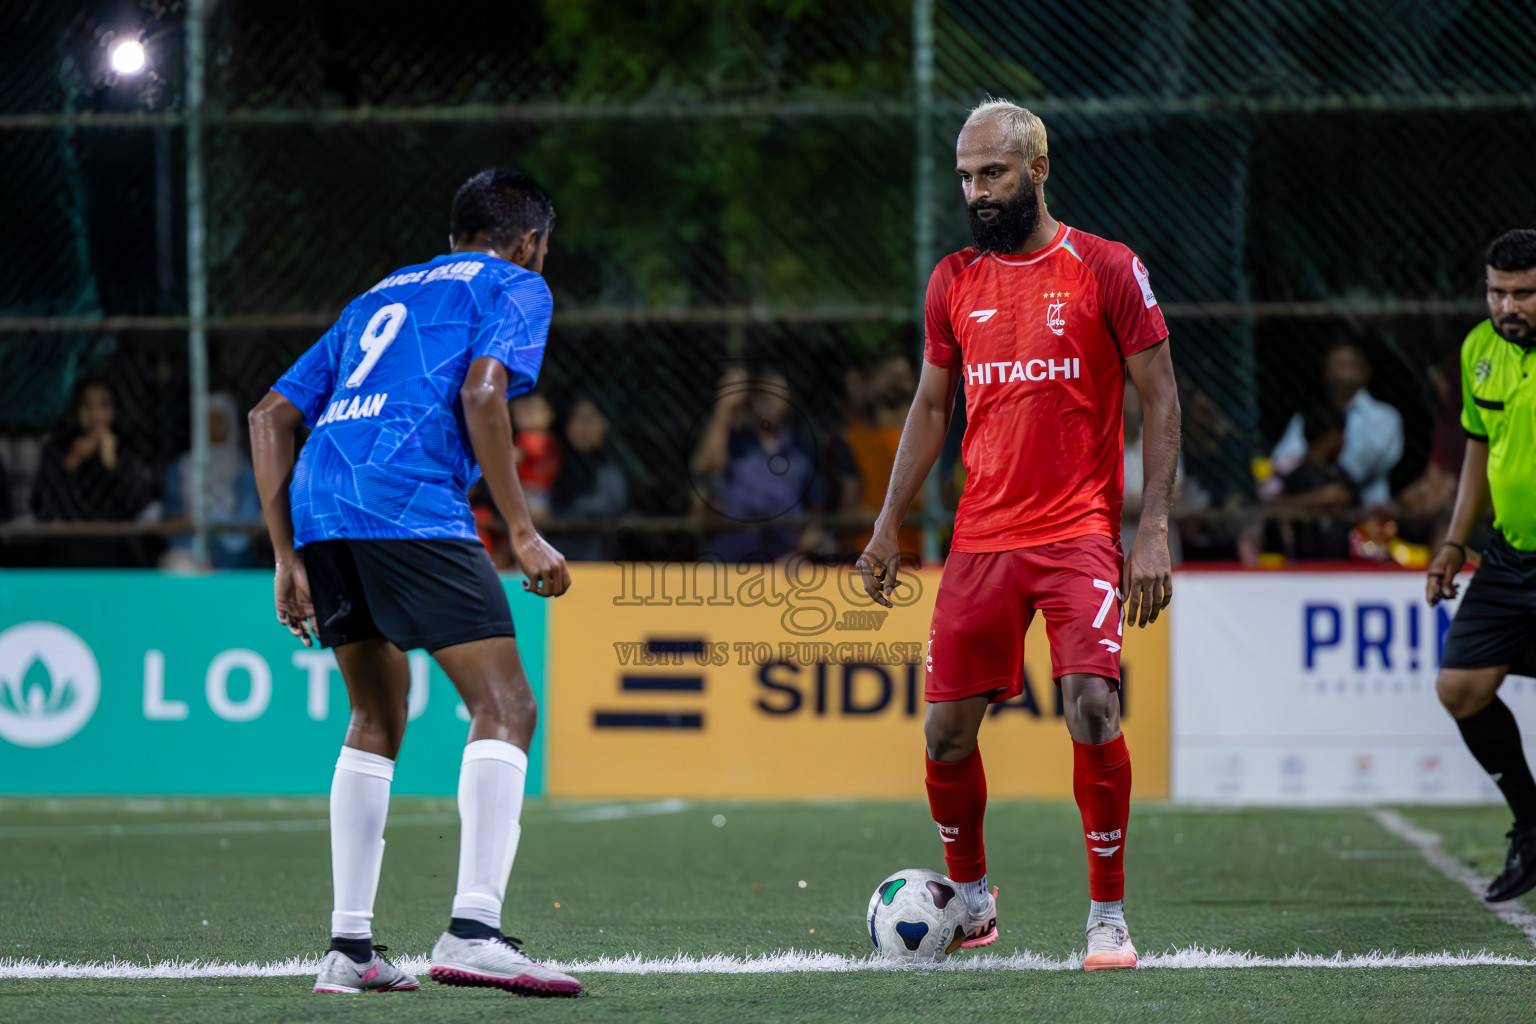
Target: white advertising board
(1318, 688)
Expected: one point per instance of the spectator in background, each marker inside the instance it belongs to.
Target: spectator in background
(890, 388)
(230, 484)
(1431, 496)
(1373, 430)
(844, 493)
(537, 451)
(1319, 482)
(755, 469)
(592, 483)
(86, 474)
(1320, 478)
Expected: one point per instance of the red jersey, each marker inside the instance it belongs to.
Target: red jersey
(1041, 341)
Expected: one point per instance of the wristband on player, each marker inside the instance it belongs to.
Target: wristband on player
(1459, 547)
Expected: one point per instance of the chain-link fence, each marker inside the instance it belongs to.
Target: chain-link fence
(763, 181)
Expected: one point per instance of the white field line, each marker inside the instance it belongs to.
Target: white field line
(205, 828)
(791, 961)
(602, 812)
(617, 812)
(1431, 847)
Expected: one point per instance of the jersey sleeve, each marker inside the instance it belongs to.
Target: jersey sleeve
(1125, 296)
(1471, 415)
(939, 345)
(309, 381)
(514, 328)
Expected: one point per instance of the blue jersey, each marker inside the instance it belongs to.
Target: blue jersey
(389, 456)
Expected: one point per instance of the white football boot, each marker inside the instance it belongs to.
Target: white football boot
(340, 973)
(1109, 946)
(496, 963)
(981, 929)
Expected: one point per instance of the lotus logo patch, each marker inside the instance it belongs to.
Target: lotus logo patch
(49, 684)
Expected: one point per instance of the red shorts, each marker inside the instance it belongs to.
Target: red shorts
(988, 599)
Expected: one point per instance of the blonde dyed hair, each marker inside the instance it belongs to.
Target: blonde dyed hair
(1026, 132)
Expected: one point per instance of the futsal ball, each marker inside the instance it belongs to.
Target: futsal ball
(917, 915)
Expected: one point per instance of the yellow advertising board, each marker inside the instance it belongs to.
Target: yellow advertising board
(711, 680)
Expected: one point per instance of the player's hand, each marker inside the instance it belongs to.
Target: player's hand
(543, 565)
(880, 565)
(1440, 583)
(290, 591)
(1148, 579)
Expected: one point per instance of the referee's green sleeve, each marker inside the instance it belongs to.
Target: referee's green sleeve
(1471, 416)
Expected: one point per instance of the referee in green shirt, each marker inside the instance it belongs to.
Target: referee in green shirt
(1494, 632)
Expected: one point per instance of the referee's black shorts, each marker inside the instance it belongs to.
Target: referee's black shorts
(1496, 621)
(413, 593)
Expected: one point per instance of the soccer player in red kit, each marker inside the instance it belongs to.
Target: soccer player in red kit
(1040, 323)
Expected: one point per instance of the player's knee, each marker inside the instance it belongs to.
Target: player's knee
(1094, 714)
(516, 711)
(385, 725)
(948, 739)
(1461, 694)
(527, 711)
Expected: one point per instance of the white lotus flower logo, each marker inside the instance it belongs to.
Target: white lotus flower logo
(49, 684)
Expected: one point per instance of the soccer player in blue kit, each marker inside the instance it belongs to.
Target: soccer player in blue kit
(406, 396)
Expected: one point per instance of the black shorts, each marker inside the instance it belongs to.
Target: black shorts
(1496, 621)
(413, 593)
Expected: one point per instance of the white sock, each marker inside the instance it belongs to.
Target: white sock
(976, 894)
(359, 806)
(490, 802)
(1112, 912)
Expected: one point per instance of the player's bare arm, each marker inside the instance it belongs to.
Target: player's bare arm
(922, 439)
(1148, 583)
(1471, 502)
(272, 425)
(490, 435)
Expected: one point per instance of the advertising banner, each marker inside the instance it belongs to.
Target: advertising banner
(142, 683)
(785, 681)
(1301, 688)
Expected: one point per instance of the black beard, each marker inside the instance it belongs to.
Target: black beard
(1015, 221)
(1525, 338)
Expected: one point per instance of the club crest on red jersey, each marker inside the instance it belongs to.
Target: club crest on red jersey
(1054, 318)
(1055, 311)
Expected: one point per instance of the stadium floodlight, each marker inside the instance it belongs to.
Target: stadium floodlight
(128, 57)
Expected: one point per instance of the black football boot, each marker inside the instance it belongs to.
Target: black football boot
(1519, 874)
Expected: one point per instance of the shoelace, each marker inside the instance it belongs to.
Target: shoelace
(516, 944)
(381, 950)
(1118, 934)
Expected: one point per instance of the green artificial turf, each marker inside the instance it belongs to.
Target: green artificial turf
(249, 880)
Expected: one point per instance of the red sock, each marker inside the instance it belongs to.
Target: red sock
(957, 795)
(1101, 781)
